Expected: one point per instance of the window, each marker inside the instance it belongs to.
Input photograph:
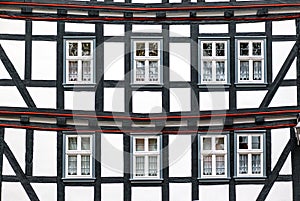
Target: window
(213, 62)
(147, 62)
(250, 154)
(146, 157)
(213, 153)
(251, 63)
(79, 61)
(78, 156)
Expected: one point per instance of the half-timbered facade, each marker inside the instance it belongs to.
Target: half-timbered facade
(165, 100)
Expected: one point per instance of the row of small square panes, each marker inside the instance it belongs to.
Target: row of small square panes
(75, 49)
(85, 68)
(85, 143)
(141, 70)
(140, 144)
(146, 49)
(84, 165)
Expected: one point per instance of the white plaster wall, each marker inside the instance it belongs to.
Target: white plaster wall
(43, 60)
(280, 137)
(44, 28)
(43, 97)
(247, 192)
(146, 1)
(13, 191)
(79, 100)
(16, 140)
(180, 156)
(180, 192)
(214, 101)
(45, 192)
(113, 30)
(213, 28)
(44, 153)
(278, 58)
(15, 50)
(146, 102)
(179, 30)
(114, 99)
(180, 99)
(245, 99)
(281, 191)
(175, 1)
(285, 96)
(112, 155)
(112, 192)
(250, 27)
(12, 26)
(151, 193)
(286, 27)
(113, 61)
(214, 192)
(11, 97)
(79, 193)
(79, 27)
(180, 67)
(146, 28)
(119, 0)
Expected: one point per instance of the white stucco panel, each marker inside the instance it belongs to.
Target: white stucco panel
(180, 65)
(179, 30)
(112, 192)
(281, 191)
(247, 192)
(151, 193)
(80, 100)
(214, 100)
(146, 102)
(11, 97)
(180, 99)
(245, 99)
(112, 155)
(180, 155)
(250, 27)
(285, 96)
(43, 97)
(180, 192)
(12, 26)
(44, 28)
(79, 27)
(286, 27)
(113, 29)
(45, 192)
(12, 191)
(214, 192)
(213, 28)
(79, 193)
(114, 99)
(113, 61)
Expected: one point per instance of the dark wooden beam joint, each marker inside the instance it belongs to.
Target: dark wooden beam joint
(128, 15)
(259, 120)
(193, 14)
(24, 119)
(229, 13)
(228, 122)
(26, 10)
(93, 13)
(161, 15)
(263, 12)
(93, 123)
(61, 121)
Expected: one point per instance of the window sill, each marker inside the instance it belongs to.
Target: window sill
(213, 86)
(79, 85)
(147, 180)
(146, 85)
(251, 84)
(250, 178)
(214, 179)
(79, 179)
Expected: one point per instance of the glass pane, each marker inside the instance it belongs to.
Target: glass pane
(140, 145)
(219, 143)
(153, 71)
(86, 49)
(85, 143)
(206, 143)
(255, 142)
(139, 166)
(257, 75)
(244, 49)
(220, 49)
(207, 165)
(152, 144)
(220, 71)
(140, 49)
(256, 49)
(256, 167)
(73, 49)
(86, 71)
(243, 169)
(244, 70)
(207, 71)
(220, 165)
(153, 49)
(72, 141)
(207, 49)
(73, 70)
(85, 165)
(72, 165)
(140, 71)
(243, 142)
(152, 165)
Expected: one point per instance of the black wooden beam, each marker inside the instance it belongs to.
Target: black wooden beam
(126, 155)
(295, 156)
(28, 50)
(29, 152)
(1, 156)
(97, 160)
(16, 78)
(19, 173)
(165, 168)
(275, 173)
(59, 157)
(280, 76)
(195, 167)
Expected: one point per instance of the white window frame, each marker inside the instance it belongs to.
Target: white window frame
(79, 58)
(214, 59)
(214, 153)
(249, 152)
(146, 153)
(147, 59)
(78, 153)
(251, 58)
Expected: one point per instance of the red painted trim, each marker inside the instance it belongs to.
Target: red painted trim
(127, 8)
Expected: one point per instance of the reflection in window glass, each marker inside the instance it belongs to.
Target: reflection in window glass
(140, 145)
(256, 167)
(255, 142)
(243, 142)
(86, 49)
(152, 165)
(257, 71)
(153, 49)
(207, 165)
(153, 71)
(152, 143)
(244, 49)
(220, 71)
(220, 165)
(219, 143)
(73, 49)
(139, 166)
(220, 49)
(72, 165)
(207, 49)
(243, 161)
(85, 143)
(244, 70)
(256, 49)
(85, 165)
(207, 68)
(207, 144)
(73, 70)
(140, 49)
(72, 141)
